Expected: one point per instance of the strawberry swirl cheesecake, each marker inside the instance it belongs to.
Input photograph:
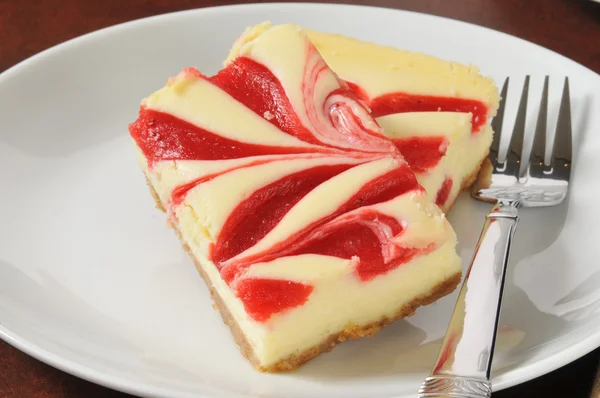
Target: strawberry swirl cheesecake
(304, 219)
(437, 113)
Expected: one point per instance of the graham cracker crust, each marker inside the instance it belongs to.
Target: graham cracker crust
(350, 332)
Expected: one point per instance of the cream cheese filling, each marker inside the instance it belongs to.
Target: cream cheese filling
(339, 298)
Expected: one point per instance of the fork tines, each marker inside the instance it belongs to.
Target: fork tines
(534, 161)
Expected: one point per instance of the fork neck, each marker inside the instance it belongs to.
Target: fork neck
(468, 346)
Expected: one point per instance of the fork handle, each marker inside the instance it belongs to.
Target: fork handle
(462, 369)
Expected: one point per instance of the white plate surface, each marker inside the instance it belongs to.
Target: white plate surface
(92, 281)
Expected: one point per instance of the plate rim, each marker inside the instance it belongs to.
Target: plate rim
(509, 379)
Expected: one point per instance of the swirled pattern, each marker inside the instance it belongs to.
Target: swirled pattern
(274, 160)
(447, 105)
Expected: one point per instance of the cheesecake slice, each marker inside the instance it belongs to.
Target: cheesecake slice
(303, 218)
(394, 82)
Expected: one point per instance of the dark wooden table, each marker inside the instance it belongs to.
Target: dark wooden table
(571, 28)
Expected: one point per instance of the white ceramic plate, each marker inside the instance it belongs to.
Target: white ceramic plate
(92, 282)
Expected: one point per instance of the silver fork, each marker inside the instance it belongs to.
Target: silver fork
(462, 369)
